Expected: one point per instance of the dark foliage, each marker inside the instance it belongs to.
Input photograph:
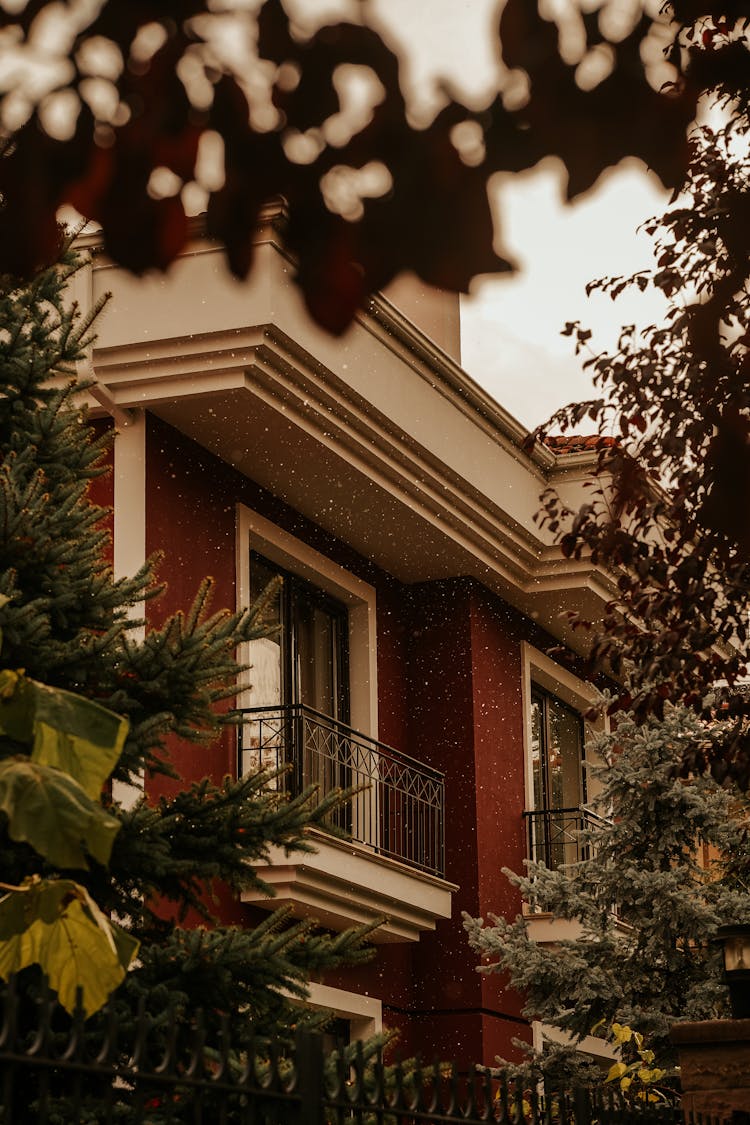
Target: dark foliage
(70, 624)
(435, 217)
(668, 510)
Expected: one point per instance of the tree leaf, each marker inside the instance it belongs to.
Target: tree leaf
(56, 925)
(50, 811)
(76, 735)
(65, 730)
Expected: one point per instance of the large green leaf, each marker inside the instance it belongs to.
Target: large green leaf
(64, 730)
(50, 811)
(55, 924)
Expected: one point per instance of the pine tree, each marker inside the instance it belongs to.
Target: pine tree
(65, 624)
(667, 864)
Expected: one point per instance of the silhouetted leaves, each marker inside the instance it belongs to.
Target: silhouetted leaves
(432, 215)
(669, 514)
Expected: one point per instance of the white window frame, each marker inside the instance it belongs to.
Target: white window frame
(597, 1049)
(256, 533)
(540, 671)
(364, 1013)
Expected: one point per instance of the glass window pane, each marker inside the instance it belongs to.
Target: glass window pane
(266, 655)
(264, 737)
(537, 719)
(564, 756)
(315, 656)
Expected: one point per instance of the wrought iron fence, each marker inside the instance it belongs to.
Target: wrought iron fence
(400, 809)
(110, 1075)
(553, 835)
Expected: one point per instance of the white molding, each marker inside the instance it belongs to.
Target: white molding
(258, 533)
(262, 361)
(365, 1013)
(129, 517)
(343, 883)
(536, 668)
(590, 1045)
(130, 500)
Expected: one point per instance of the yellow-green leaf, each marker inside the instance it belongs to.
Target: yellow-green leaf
(50, 924)
(76, 735)
(616, 1071)
(50, 811)
(621, 1033)
(62, 729)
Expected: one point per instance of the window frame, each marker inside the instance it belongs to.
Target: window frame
(294, 588)
(255, 532)
(545, 697)
(540, 672)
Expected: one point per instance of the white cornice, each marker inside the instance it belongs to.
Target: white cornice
(344, 884)
(262, 362)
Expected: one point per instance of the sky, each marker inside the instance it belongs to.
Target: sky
(511, 342)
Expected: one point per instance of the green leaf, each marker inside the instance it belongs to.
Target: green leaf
(50, 811)
(64, 730)
(621, 1033)
(77, 735)
(616, 1071)
(55, 924)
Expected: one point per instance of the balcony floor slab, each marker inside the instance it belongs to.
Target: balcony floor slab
(344, 883)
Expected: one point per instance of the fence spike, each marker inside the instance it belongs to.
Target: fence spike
(309, 1071)
(452, 1109)
(108, 1050)
(74, 1048)
(491, 1095)
(195, 1065)
(503, 1115)
(246, 1079)
(168, 1064)
(45, 1003)
(534, 1104)
(222, 1072)
(582, 1106)
(274, 1076)
(357, 1087)
(141, 1033)
(518, 1112)
(9, 1029)
(469, 1101)
(399, 1099)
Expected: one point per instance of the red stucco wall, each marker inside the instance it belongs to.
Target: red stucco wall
(449, 681)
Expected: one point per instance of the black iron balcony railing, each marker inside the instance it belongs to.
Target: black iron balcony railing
(553, 835)
(400, 809)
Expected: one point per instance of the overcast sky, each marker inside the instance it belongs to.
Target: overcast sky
(511, 340)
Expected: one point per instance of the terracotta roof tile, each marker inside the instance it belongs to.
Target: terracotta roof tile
(577, 443)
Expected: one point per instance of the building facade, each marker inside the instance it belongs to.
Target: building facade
(419, 604)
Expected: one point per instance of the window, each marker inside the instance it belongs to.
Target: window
(557, 785)
(258, 535)
(299, 685)
(306, 662)
(556, 753)
(558, 778)
(314, 678)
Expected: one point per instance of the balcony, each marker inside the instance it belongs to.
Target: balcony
(553, 835)
(553, 838)
(387, 857)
